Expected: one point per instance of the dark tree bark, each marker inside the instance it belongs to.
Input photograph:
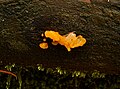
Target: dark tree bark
(22, 22)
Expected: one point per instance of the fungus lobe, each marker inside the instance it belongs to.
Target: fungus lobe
(43, 45)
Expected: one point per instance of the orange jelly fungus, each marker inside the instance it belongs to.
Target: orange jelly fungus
(43, 45)
(54, 43)
(69, 40)
(44, 39)
(55, 36)
(42, 34)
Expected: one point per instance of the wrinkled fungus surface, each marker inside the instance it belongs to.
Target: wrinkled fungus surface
(69, 40)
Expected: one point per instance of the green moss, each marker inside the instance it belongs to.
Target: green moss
(47, 78)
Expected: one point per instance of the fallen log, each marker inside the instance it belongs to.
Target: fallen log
(23, 21)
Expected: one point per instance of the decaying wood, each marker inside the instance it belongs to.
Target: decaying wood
(23, 21)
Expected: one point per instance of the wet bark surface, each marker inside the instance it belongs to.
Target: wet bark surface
(23, 21)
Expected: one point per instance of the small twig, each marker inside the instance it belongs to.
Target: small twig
(7, 72)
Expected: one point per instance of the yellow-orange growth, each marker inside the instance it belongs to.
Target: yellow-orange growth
(43, 45)
(69, 41)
